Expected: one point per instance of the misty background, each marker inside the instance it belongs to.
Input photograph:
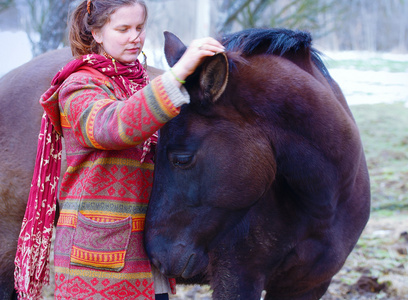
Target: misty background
(336, 25)
(365, 42)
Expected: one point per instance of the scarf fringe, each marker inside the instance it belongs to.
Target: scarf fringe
(34, 243)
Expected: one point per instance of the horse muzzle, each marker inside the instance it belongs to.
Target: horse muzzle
(178, 260)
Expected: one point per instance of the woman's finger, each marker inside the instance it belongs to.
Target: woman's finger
(208, 44)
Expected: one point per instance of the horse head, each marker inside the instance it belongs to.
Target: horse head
(259, 179)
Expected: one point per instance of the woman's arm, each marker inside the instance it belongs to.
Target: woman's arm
(99, 120)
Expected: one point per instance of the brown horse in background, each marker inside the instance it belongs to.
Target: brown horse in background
(261, 182)
(20, 119)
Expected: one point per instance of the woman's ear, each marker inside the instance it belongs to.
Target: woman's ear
(97, 36)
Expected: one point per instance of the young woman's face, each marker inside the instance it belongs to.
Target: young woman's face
(124, 35)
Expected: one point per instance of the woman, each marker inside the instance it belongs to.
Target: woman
(107, 111)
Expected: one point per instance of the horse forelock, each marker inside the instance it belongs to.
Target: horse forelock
(275, 41)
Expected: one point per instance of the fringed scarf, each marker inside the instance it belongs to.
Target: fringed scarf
(33, 249)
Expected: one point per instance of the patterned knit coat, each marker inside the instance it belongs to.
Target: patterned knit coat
(99, 252)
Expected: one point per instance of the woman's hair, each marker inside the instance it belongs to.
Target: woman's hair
(90, 16)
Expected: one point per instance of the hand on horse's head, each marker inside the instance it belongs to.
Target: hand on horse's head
(194, 55)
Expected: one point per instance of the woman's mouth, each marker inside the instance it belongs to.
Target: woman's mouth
(132, 50)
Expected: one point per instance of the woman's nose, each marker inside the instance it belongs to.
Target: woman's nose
(135, 35)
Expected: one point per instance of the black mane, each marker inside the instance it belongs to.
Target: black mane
(276, 41)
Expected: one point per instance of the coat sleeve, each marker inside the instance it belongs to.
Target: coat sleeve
(100, 120)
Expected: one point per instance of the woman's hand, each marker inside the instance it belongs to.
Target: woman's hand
(194, 56)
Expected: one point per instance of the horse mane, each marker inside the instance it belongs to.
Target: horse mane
(274, 41)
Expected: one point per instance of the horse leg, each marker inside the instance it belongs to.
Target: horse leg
(8, 252)
(232, 281)
(12, 209)
(10, 229)
(7, 291)
(314, 294)
(230, 289)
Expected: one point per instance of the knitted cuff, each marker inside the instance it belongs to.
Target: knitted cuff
(178, 96)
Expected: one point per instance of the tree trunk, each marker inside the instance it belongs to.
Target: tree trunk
(203, 19)
(54, 28)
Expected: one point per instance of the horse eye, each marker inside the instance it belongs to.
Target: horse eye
(181, 160)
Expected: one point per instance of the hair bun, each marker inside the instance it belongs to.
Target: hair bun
(88, 6)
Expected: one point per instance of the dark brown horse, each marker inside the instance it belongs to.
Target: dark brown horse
(20, 119)
(261, 182)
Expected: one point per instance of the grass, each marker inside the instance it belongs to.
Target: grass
(376, 64)
(384, 132)
(370, 62)
(380, 254)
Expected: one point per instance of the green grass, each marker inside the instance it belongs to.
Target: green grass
(374, 64)
(367, 62)
(384, 132)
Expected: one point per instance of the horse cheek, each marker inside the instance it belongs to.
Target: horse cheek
(238, 178)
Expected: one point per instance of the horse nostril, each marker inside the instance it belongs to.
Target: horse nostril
(162, 269)
(158, 265)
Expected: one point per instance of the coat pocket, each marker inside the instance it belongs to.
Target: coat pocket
(101, 245)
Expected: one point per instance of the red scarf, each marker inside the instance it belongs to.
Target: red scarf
(131, 77)
(33, 249)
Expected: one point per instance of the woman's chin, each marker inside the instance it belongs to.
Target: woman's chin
(127, 59)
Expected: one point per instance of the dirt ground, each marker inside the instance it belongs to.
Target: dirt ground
(378, 266)
(376, 269)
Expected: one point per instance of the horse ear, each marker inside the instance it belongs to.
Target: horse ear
(214, 76)
(173, 48)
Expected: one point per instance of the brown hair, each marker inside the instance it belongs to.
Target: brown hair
(93, 15)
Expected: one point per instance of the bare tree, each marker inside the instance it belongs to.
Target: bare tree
(5, 4)
(372, 25)
(346, 24)
(53, 30)
(403, 28)
(295, 14)
(46, 23)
